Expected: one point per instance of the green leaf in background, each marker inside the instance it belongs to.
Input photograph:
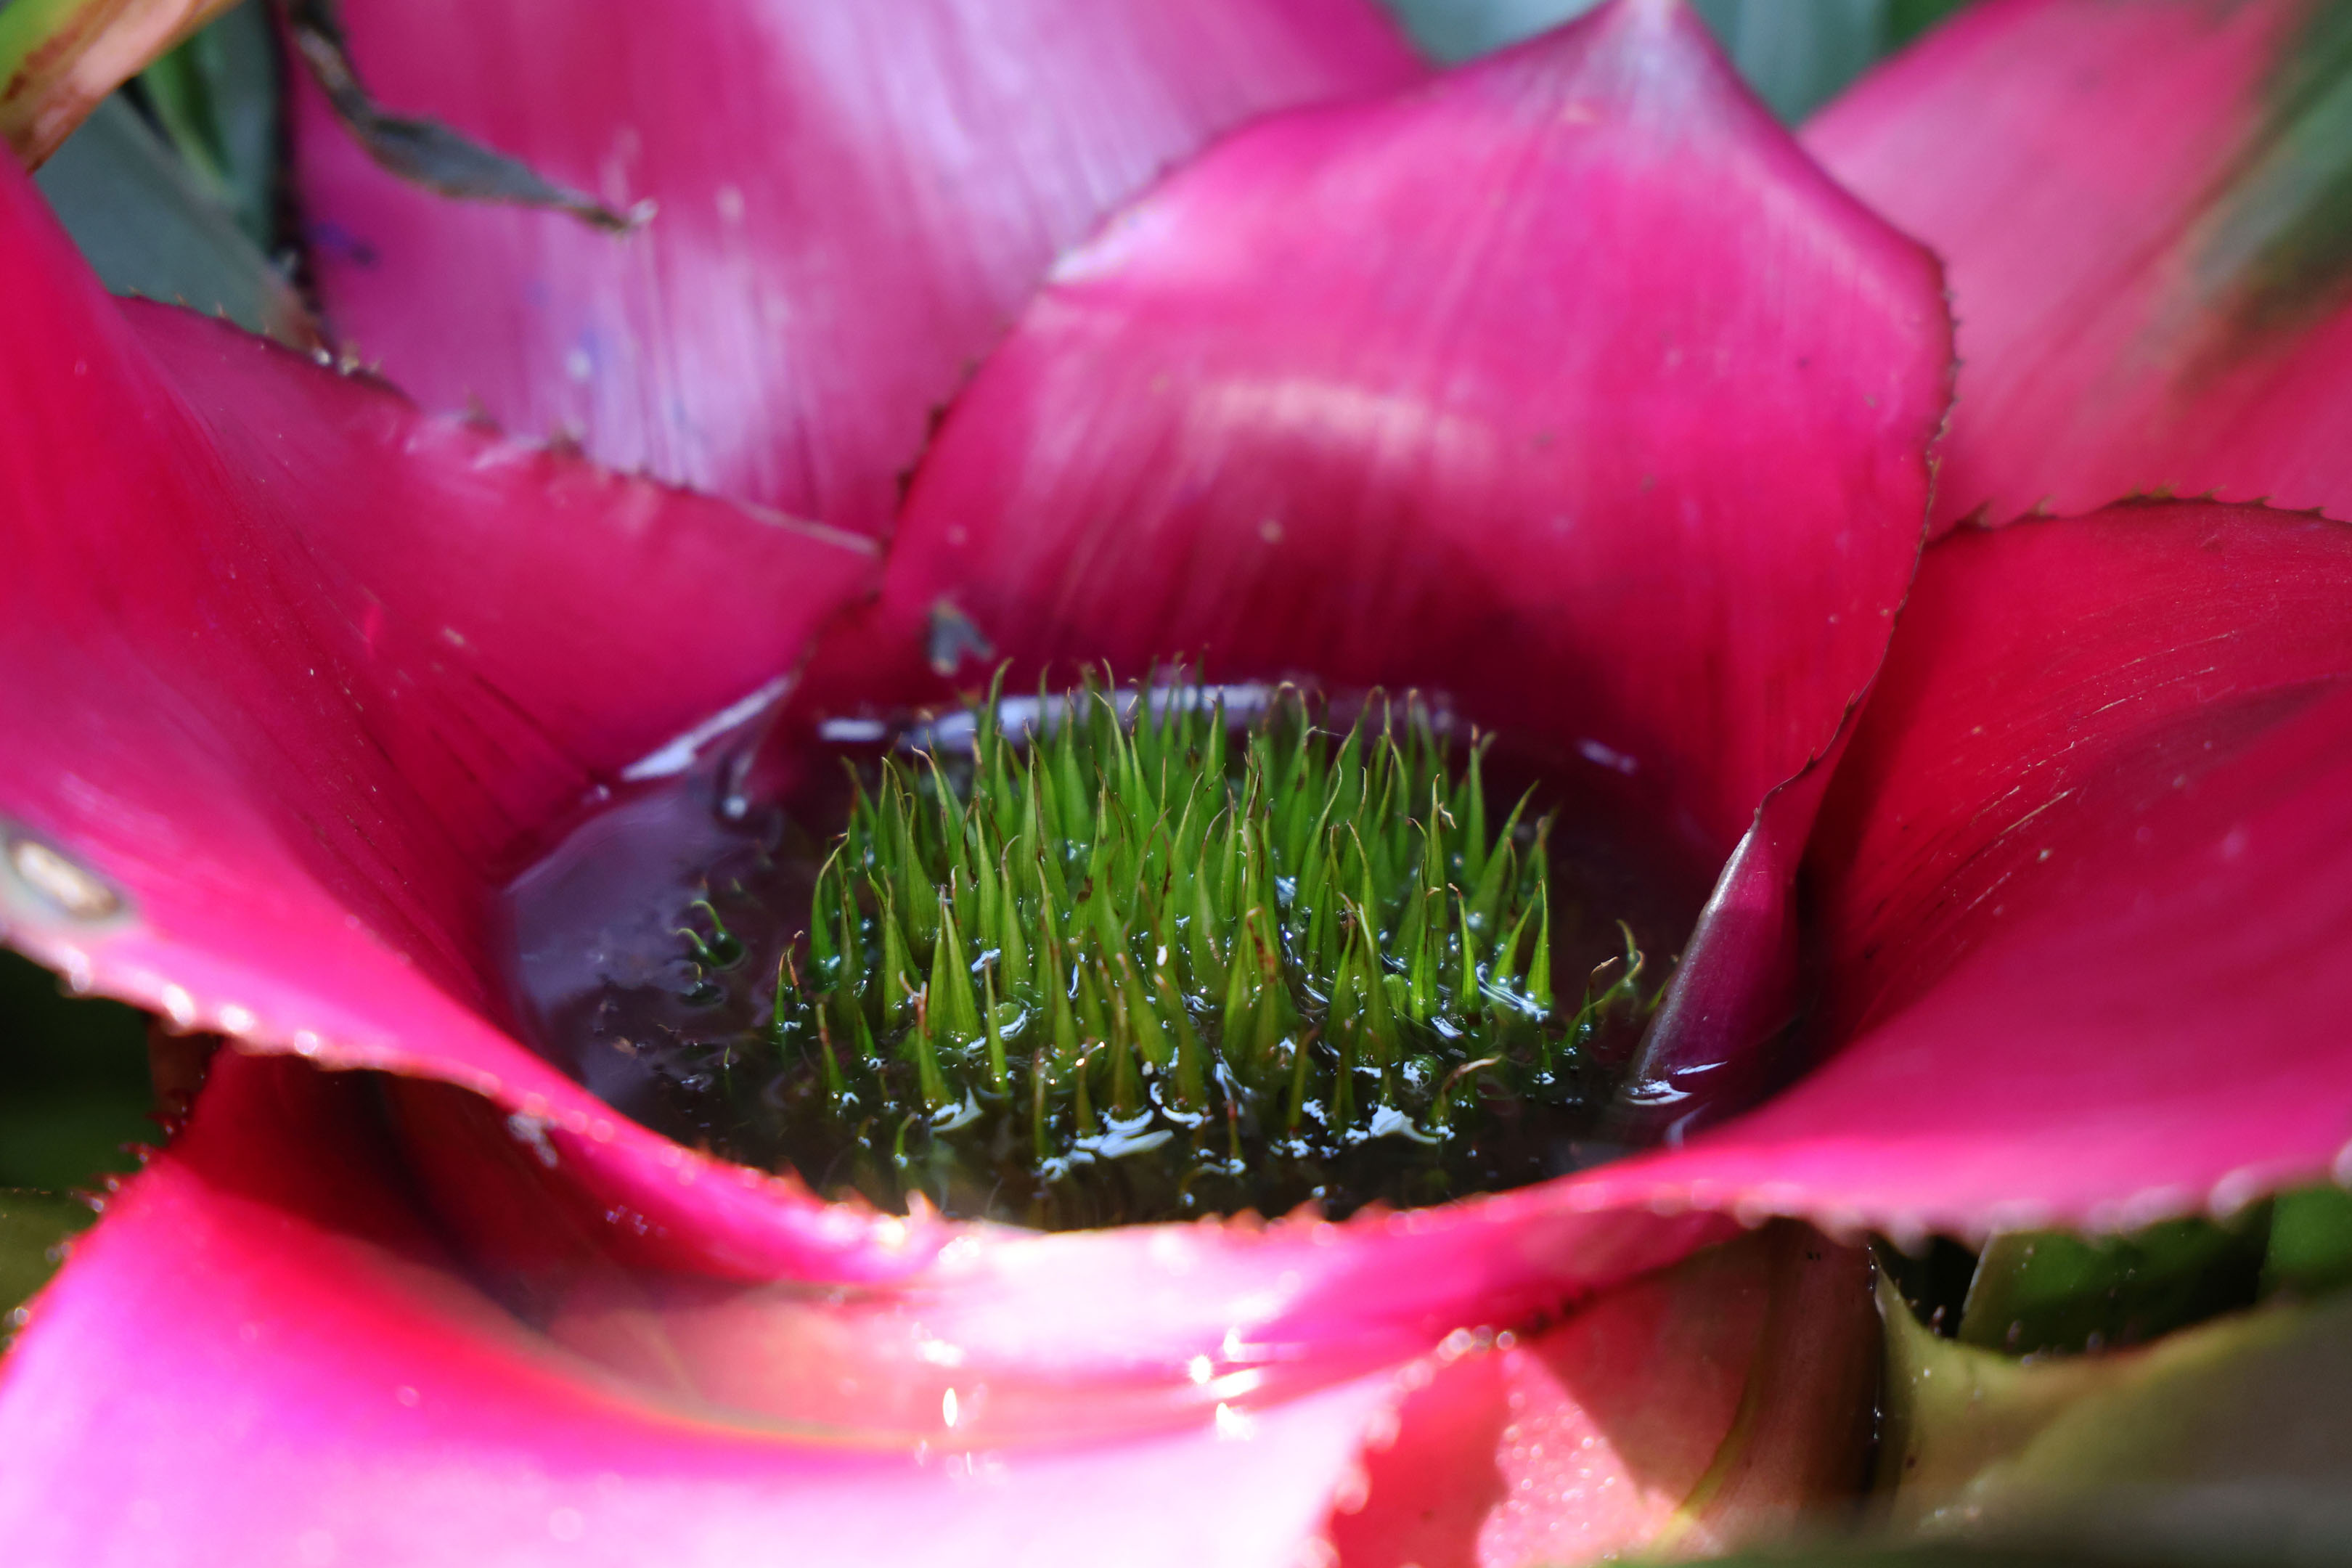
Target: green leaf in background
(2226, 1442)
(2311, 1242)
(74, 1086)
(215, 99)
(147, 226)
(1797, 53)
(34, 1229)
(2043, 1291)
(2282, 244)
(1462, 29)
(1797, 56)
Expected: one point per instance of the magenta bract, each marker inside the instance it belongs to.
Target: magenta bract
(317, 1379)
(2084, 888)
(1564, 383)
(2133, 203)
(853, 201)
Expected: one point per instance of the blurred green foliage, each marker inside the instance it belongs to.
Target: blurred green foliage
(2310, 1249)
(215, 97)
(33, 1230)
(73, 1082)
(2038, 1292)
(2227, 1442)
(74, 1092)
(2043, 1293)
(147, 227)
(1797, 53)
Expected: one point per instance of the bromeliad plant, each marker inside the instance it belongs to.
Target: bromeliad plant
(1247, 968)
(1566, 384)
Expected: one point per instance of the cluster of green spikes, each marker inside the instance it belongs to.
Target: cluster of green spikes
(1149, 928)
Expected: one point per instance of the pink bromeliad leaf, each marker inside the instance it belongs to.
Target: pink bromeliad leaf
(265, 1356)
(2085, 891)
(421, 997)
(850, 204)
(2144, 210)
(339, 1384)
(1474, 386)
(293, 672)
(1620, 1432)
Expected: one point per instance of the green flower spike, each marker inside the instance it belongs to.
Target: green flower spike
(1154, 963)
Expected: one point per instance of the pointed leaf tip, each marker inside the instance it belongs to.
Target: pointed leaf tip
(1255, 450)
(2144, 210)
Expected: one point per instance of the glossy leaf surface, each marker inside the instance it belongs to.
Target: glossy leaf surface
(852, 203)
(1608, 419)
(1503, 1256)
(292, 670)
(359, 1398)
(1692, 1411)
(2082, 883)
(1635, 95)
(2145, 212)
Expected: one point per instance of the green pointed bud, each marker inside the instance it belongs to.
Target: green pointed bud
(955, 1012)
